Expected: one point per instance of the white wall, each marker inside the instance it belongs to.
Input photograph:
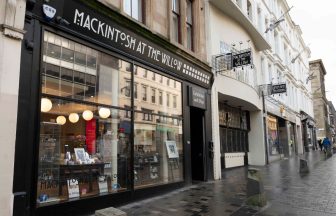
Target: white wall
(10, 53)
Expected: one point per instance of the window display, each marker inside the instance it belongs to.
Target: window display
(84, 144)
(86, 125)
(273, 136)
(156, 126)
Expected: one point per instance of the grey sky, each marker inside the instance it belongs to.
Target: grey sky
(317, 21)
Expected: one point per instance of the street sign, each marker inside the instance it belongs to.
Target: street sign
(241, 59)
(279, 88)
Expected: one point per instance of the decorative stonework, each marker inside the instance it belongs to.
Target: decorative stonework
(14, 19)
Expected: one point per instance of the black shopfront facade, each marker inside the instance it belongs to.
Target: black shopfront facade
(108, 112)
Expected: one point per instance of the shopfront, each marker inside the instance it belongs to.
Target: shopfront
(234, 128)
(104, 112)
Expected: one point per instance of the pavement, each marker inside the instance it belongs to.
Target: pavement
(288, 192)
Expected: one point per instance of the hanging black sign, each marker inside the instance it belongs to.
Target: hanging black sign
(197, 97)
(241, 59)
(279, 88)
(90, 23)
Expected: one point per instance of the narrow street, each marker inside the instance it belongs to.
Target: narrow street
(288, 192)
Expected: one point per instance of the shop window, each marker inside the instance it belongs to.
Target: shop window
(135, 9)
(158, 154)
(76, 159)
(176, 25)
(189, 24)
(273, 135)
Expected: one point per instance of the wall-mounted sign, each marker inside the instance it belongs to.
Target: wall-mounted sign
(241, 59)
(197, 97)
(279, 88)
(90, 23)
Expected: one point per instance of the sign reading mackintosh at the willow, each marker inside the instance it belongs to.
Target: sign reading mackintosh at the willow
(241, 59)
(197, 97)
(104, 30)
(279, 88)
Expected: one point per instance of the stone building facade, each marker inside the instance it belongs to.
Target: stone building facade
(318, 72)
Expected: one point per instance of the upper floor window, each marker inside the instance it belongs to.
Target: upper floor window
(189, 24)
(249, 10)
(135, 8)
(176, 27)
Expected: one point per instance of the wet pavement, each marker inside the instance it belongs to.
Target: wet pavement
(288, 192)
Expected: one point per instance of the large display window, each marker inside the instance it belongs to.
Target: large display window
(273, 135)
(158, 146)
(86, 122)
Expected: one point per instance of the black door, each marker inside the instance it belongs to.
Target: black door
(197, 134)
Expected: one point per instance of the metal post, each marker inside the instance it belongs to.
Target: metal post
(265, 125)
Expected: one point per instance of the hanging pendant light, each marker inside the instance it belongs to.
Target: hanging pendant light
(73, 117)
(46, 104)
(87, 115)
(104, 112)
(61, 120)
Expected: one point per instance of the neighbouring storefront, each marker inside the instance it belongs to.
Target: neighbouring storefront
(234, 127)
(107, 115)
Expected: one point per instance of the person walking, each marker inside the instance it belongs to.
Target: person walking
(327, 146)
(320, 143)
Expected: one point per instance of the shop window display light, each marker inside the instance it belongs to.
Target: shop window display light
(73, 117)
(87, 115)
(104, 112)
(61, 120)
(46, 104)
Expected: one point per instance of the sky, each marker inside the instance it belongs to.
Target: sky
(317, 22)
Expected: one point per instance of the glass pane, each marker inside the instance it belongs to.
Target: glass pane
(189, 37)
(67, 54)
(176, 6)
(82, 154)
(175, 28)
(92, 75)
(158, 152)
(189, 12)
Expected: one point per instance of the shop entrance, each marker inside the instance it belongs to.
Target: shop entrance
(197, 134)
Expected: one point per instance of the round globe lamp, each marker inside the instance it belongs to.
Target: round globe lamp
(104, 112)
(46, 105)
(73, 117)
(61, 120)
(87, 115)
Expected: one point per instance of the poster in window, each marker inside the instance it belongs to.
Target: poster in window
(80, 154)
(102, 183)
(73, 188)
(172, 149)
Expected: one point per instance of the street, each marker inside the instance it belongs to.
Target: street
(288, 192)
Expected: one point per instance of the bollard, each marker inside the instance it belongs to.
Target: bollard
(110, 212)
(255, 188)
(304, 166)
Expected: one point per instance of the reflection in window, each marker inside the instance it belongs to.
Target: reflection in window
(158, 153)
(144, 93)
(153, 95)
(70, 69)
(160, 97)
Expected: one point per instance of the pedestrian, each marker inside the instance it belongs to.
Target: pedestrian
(326, 145)
(320, 143)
